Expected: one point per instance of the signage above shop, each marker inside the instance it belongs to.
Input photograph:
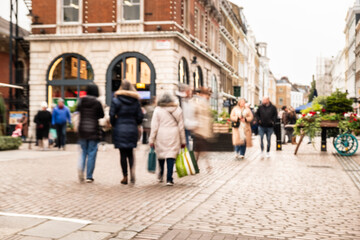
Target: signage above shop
(140, 85)
(163, 44)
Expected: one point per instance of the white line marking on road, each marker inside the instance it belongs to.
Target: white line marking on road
(74, 220)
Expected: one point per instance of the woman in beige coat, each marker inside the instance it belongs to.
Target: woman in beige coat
(241, 136)
(167, 134)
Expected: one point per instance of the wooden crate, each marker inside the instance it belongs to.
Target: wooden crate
(220, 127)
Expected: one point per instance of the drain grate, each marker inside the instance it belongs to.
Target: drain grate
(351, 167)
(319, 166)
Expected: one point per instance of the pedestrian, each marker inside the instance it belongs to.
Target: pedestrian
(281, 116)
(17, 131)
(126, 117)
(60, 117)
(203, 132)
(24, 123)
(43, 123)
(149, 110)
(167, 134)
(266, 116)
(90, 110)
(290, 118)
(188, 107)
(241, 134)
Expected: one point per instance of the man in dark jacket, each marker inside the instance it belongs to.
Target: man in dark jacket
(266, 116)
(91, 111)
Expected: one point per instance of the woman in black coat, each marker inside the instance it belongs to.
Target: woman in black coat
(43, 122)
(125, 117)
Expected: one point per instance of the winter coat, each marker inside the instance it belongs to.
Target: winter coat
(91, 111)
(43, 122)
(125, 117)
(266, 115)
(167, 130)
(61, 115)
(236, 113)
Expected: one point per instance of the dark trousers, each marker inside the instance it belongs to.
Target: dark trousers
(126, 154)
(170, 167)
(61, 134)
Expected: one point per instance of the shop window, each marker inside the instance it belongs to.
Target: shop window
(199, 82)
(71, 10)
(183, 71)
(67, 78)
(131, 10)
(135, 68)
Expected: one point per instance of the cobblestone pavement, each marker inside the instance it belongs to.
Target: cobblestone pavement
(308, 196)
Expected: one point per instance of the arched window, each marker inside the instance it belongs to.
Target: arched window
(136, 68)
(183, 71)
(199, 82)
(67, 78)
(214, 96)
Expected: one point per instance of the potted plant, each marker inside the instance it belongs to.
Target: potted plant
(221, 122)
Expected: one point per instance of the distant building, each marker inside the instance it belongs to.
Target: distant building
(305, 90)
(323, 76)
(338, 72)
(297, 97)
(283, 92)
(272, 88)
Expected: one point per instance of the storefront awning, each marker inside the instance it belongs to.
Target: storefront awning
(226, 95)
(10, 86)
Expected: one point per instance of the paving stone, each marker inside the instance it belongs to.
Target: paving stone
(86, 235)
(126, 235)
(53, 229)
(10, 222)
(35, 238)
(111, 228)
(136, 227)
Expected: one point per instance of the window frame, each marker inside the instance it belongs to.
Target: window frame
(141, 11)
(63, 22)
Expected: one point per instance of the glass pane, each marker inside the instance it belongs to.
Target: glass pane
(71, 14)
(132, 12)
(75, 2)
(197, 78)
(131, 70)
(54, 93)
(66, 2)
(136, 1)
(86, 71)
(145, 73)
(70, 97)
(71, 68)
(55, 70)
(82, 92)
(181, 72)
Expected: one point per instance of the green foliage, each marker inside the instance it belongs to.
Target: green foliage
(223, 117)
(9, 143)
(331, 117)
(314, 108)
(338, 103)
(312, 90)
(308, 126)
(2, 116)
(320, 100)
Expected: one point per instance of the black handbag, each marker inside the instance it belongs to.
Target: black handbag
(236, 124)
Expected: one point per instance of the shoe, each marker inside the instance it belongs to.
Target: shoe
(262, 155)
(170, 183)
(160, 178)
(237, 156)
(267, 154)
(81, 176)
(241, 156)
(124, 181)
(132, 179)
(309, 142)
(89, 180)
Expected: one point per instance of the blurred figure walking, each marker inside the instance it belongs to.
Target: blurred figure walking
(281, 116)
(266, 116)
(290, 118)
(60, 117)
(167, 134)
(241, 135)
(126, 117)
(43, 123)
(90, 110)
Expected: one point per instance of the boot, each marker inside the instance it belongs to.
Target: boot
(293, 140)
(124, 180)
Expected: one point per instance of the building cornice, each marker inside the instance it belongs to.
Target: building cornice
(130, 35)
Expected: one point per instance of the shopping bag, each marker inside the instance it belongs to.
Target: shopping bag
(180, 166)
(152, 161)
(194, 162)
(53, 134)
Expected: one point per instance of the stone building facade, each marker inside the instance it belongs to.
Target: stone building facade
(153, 44)
(283, 92)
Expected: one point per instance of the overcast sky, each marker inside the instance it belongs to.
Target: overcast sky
(297, 31)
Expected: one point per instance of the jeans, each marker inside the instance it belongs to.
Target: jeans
(282, 133)
(89, 149)
(61, 134)
(268, 131)
(240, 149)
(125, 155)
(170, 168)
